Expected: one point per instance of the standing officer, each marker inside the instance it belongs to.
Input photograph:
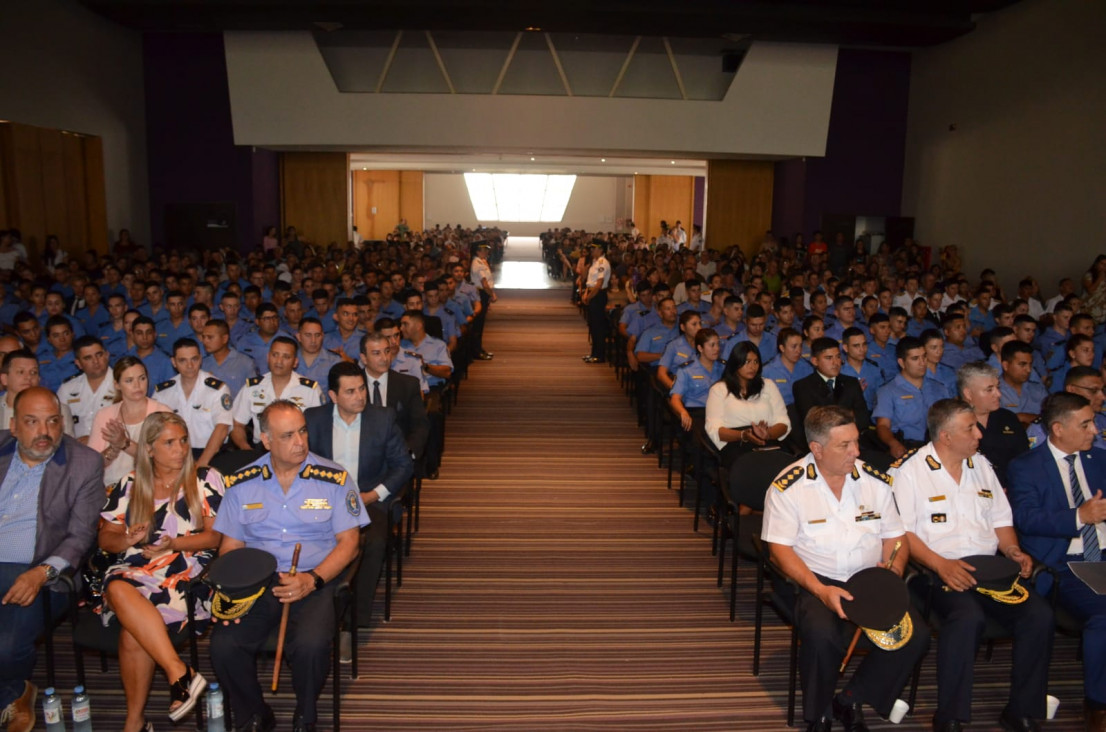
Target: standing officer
(953, 507)
(481, 277)
(287, 496)
(595, 298)
(826, 517)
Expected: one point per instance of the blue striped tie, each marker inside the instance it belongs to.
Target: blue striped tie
(1092, 552)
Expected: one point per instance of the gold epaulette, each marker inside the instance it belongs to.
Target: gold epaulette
(879, 474)
(330, 475)
(906, 456)
(248, 473)
(788, 479)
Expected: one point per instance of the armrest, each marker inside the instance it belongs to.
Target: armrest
(771, 567)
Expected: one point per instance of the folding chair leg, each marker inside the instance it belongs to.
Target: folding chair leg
(792, 674)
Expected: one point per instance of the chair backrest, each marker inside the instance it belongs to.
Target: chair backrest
(234, 460)
(753, 472)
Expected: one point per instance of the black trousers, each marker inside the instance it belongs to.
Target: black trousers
(823, 641)
(435, 441)
(307, 647)
(372, 561)
(963, 617)
(598, 325)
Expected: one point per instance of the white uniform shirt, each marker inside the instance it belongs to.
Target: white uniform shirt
(835, 539)
(259, 393)
(77, 394)
(206, 407)
(955, 521)
(481, 270)
(599, 273)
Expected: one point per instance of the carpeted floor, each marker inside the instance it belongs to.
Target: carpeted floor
(556, 585)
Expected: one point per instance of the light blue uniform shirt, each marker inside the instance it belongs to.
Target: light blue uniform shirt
(945, 376)
(767, 347)
(167, 335)
(235, 371)
(322, 502)
(677, 353)
(869, 376)
(957, 356)
(351, 346)
(93, 322)
(19, 512)
(655, 340)
(114, 341)
(404, 363)
(693, 383)
(319, 370)
(1028, 402)
(158, 367)
(642, 323)
(777, 372)
(907, 406)
(433, 352)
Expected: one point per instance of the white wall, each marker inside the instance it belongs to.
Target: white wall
(1020, 185)
(595, 204)
(67, 68)
(282, 95)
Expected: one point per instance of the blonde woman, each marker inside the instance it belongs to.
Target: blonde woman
(158, 519)
(114, 431)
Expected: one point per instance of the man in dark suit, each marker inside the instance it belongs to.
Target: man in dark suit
(398, 392)
(828, 386)
(1059, 513)
(51, 494)
(368, 443)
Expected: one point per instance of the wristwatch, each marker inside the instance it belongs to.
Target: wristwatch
(319, 581)
(51, 572)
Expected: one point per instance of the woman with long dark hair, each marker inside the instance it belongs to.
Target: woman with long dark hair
(744, 410)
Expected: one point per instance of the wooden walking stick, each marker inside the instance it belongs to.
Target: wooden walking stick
(284, 622)
(856, 636)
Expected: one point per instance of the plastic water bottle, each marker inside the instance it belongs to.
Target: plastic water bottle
(82, 711)
(215, 720)
(51, 712)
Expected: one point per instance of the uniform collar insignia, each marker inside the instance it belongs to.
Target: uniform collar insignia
(932, 463)
(811, 473)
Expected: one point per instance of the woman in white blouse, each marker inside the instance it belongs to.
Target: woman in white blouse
(745, 411)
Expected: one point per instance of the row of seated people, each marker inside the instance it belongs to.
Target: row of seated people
(714, 381)
(351, 452)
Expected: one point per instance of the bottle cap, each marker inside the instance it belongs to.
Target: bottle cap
(213, 686)
(49, 691)
(78, 689)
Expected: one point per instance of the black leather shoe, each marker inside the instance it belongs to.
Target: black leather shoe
(648, 448)
(298, 725)
(851, 716)
(820, 725)
(265, 722)
(433, 474)
(948, 725)
(593, 359)
(1017, 724)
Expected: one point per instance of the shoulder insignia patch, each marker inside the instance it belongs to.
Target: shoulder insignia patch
(213, 382)
(971, 464)
(811, 472)
(309, 383)
(855, 474)
(906, 456)
(253, 471)
(254, 380)
(932, 463)
(163, 385)
(328, 475)
(878, 474)
(352, 504)
(788, 479)
(225, 402)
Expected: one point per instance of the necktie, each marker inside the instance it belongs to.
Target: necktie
(829, 383)
(377, 401)
(1092, 552)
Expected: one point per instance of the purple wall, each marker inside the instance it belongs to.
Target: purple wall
(700, 199)
(190, 140)
(862, 170)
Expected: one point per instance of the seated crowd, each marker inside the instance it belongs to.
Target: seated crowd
(980, 414)
(319, 380)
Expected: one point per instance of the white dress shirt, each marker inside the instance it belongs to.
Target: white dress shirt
(726, 410)
(383, 381)
(346, 446)
(1076, 545)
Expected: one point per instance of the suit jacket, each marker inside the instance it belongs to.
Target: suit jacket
(1042, 517)
(70, 499)
(383, 456)
(810, 391)
(404, 397)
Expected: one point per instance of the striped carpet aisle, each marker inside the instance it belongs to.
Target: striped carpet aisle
(556, 585)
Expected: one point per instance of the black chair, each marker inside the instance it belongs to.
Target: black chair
(63, 596)
(231, 461)
(394, 549)
(785, 603)
(751, 476)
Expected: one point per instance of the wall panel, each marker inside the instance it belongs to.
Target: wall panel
(314, 195)
(739, 203)
(96, 193)
(76, 197)
(411, 198)
(55, 210)
(669, 198)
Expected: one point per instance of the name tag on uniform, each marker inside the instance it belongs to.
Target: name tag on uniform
(251, 506)
(985, 494)
(698, 376)
(907, 396)
(316, 504)
(934, 499)
(868, 516)
(817, 521)
(938, 518)
(1006, 430)
(781, 381)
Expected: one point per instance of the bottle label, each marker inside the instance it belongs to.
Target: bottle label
(52, 716)
(82, 714)
(215, 709)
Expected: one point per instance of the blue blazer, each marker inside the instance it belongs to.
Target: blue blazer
(1044, 521)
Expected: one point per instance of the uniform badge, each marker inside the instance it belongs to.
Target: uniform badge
(352, 504)
(225, 401)
(316, 504)
(938, 518)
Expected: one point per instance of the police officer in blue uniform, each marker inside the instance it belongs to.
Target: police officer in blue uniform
(859, 366)
(788, 366)
(286, 497)
(903, 403)
(226, 364)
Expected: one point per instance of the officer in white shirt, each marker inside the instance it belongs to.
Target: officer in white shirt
(826, 517)
(595, 298)
(281, 382)
(200, 399)
(92, 389)
(953, 507)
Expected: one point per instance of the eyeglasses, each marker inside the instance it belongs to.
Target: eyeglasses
(1089, 389)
